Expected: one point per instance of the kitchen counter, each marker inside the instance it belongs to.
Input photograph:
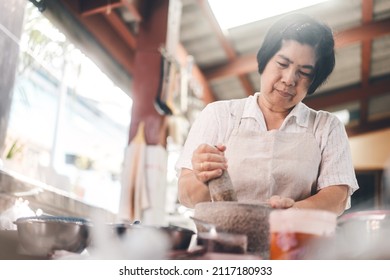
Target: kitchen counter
(49, 199)
(11, 249)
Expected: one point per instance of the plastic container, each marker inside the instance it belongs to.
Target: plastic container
(294, 232)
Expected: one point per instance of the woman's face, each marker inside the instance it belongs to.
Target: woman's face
(287, 75)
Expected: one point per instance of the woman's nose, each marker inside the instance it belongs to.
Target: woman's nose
(289, 77)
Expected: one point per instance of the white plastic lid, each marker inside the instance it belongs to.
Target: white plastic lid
(310, 221)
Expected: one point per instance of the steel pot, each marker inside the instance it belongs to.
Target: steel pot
(364, 235)
(44, 235)
(179, 237)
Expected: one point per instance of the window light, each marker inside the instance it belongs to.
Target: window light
(231, 14)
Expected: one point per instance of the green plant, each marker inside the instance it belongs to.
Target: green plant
(13, 150)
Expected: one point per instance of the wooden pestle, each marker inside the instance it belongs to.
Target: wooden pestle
(221, 188)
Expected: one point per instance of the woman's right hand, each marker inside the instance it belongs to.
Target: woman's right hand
(208, 162)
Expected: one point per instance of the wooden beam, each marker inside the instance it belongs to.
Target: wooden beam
(93, 7)
(367, 11)
(132, 9)
(341, 96)
(122, 29)
(205, 7)
(239, 66)
(368, 127)
(105, 35)
(246, 84)
(366, 61)
(248, 63)
(110, 39)
(207, 94)
(226, 45)
(147, 78)
(366, 31)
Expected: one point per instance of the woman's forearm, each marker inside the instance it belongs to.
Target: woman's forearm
(333, 198)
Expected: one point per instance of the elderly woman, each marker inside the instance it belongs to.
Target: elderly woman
(274, 147)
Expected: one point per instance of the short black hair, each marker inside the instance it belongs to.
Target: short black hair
(305, 30)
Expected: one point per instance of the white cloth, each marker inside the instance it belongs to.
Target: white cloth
(216, 122)
(134, 194)
(156, 181)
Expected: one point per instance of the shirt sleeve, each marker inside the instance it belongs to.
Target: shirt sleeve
(336, 163)
(213, 126)
(203, 130)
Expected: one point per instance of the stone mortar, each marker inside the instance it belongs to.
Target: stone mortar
(235, 217)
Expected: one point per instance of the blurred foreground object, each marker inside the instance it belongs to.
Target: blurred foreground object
(293, 231)
(42, 236)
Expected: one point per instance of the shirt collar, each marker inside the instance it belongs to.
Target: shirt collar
(252, 110)
(300, 112)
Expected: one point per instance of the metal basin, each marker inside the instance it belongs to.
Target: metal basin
(41, 236)
(368, 225)
(364, 235)
(179, 237)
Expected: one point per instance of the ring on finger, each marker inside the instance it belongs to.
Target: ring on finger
(201, 166)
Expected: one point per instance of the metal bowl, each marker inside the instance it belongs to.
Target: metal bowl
(365, 226)
(43, 235)
(179, 237)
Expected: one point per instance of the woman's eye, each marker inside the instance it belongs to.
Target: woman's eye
(282, 64)
(305, 74)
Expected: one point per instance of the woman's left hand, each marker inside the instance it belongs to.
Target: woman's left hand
(277, 201)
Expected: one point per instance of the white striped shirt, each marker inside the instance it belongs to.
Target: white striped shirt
(215, 124)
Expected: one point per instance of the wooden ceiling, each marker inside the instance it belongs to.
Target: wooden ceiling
(114, 25)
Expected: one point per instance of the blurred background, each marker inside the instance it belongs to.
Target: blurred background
(97, 97)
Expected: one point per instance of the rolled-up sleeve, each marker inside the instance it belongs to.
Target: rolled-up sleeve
(336, 164)
(203, 130)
